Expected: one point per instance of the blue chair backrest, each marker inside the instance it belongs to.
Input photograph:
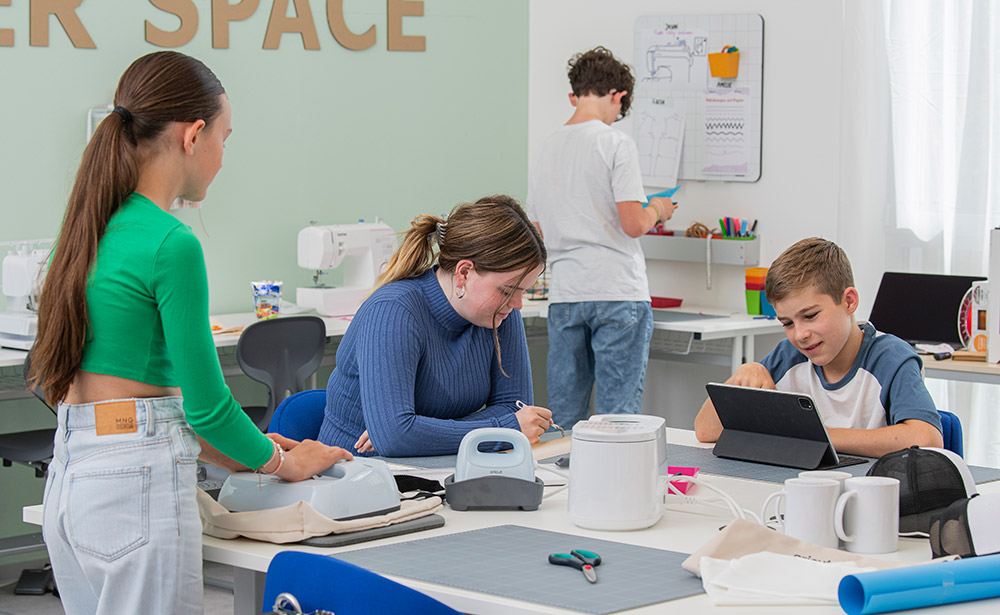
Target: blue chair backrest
(322, 582)
(300, 415)
(951, 429)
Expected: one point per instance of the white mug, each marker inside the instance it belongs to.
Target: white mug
(867, 515)
(809, 508)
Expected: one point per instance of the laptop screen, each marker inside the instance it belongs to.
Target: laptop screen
(921, 307)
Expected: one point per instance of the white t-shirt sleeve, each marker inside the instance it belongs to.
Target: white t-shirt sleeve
(626, 177)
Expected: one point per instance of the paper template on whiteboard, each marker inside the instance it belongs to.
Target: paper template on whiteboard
(673, 80)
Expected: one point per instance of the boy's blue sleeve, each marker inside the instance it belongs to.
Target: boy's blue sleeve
(906, 396)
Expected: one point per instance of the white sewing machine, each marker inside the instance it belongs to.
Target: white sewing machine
(363, 249)
(23, 271)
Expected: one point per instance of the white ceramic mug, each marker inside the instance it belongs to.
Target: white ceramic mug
(809, 508)
(867, 515)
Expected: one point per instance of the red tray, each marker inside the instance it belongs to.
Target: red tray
(665, 302)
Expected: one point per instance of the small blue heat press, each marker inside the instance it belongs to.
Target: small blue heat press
(494, 480)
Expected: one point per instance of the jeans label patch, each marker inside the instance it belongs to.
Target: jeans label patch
(115, 417)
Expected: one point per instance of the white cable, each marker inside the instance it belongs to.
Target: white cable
(550, 467)
(737, 511)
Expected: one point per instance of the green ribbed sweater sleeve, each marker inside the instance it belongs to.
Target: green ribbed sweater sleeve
(179, 282)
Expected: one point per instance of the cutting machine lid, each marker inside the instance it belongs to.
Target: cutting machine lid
(622, 430)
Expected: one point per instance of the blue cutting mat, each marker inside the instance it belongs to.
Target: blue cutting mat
(512, 561)
(691, 456)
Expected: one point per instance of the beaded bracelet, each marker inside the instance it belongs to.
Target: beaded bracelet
(281, 459)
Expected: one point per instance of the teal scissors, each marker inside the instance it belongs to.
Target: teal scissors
(584, 561)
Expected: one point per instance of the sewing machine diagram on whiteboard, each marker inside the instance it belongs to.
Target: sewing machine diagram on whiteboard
(689, 123)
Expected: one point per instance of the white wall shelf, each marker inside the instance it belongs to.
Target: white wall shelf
(743, 252)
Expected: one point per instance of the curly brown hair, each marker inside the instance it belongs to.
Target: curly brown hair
(599, 72)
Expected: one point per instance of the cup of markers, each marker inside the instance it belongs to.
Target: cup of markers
(737, 228)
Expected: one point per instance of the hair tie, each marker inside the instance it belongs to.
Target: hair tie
(442, 227)
(124, 113)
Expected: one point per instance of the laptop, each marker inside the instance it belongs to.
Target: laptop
(773, 427)
(921, 308)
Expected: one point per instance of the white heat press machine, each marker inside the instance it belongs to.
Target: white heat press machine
(616, 472)
(494, 480)
(362, 249)
(24, 269)
(347, 490)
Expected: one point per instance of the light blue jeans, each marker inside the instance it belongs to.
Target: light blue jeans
(606, 342)
(121, 521)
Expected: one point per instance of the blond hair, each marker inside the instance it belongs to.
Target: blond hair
(810, 262)
(494, 233)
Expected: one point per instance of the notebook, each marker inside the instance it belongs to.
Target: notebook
(773, 427)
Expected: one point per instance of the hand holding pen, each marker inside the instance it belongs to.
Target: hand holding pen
(533, 420)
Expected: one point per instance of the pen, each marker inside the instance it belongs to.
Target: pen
(753, 229)
(722, 227)
(520, 404)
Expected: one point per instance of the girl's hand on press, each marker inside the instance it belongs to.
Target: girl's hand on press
(309, 458)
(533, 421)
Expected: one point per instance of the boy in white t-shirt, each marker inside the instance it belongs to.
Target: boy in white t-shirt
(867, 385)
(585, 194)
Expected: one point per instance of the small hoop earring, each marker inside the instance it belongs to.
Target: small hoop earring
(461, 292)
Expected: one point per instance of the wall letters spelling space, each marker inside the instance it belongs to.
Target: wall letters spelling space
(223, 13)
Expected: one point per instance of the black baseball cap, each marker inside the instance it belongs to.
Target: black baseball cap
(930, 480)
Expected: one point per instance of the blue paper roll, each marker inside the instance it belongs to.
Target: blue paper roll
(919, 586)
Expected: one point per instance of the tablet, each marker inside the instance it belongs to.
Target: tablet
(773, 427)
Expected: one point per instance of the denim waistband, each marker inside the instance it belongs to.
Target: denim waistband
(81, 416)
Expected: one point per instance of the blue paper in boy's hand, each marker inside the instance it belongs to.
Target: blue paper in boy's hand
(666, 193)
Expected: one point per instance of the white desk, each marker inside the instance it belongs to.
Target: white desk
(683, 528)
(963, 371)
(740, 328)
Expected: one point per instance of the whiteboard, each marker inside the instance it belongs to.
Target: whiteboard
(688, 124)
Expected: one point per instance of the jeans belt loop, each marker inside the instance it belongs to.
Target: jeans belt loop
(150, 419)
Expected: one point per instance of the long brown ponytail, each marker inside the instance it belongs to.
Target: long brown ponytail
(157, 89)
(494, 233)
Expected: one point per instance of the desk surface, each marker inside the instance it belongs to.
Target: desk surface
(713, 328)
(684, 527)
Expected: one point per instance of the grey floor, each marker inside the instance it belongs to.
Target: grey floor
(218, 601)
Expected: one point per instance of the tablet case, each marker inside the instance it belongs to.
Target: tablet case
(773, 427)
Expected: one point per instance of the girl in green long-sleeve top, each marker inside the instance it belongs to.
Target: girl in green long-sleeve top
(124, 346)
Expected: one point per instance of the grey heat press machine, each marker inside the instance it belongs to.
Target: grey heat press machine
(346, 490)
(495, 480)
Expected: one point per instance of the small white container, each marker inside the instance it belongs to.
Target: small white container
(615, 482)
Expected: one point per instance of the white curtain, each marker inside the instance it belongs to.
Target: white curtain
(920, 159)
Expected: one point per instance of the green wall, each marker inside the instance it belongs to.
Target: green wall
(331, 135)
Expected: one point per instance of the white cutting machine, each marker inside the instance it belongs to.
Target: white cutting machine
(24, 269)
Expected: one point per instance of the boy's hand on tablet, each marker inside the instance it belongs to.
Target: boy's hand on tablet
(752, 375)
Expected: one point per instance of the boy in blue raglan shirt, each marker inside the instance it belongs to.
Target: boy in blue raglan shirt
(867, 385)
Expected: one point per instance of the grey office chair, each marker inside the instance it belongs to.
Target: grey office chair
(31, 448)
(281, 354)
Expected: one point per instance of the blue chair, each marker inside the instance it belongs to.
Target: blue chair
(323, 582)
(300, 415)
(951, 429)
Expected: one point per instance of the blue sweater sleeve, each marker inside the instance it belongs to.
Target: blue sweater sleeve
(388, 363)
